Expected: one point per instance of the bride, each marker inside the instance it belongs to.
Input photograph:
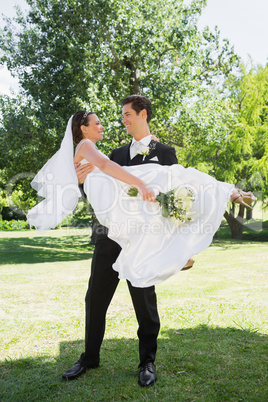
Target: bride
(154, 247)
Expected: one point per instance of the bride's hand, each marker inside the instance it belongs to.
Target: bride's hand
(146, 193)
(83, 170)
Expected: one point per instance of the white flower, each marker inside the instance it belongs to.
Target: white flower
(187, 203)
(180, 192)
(143, 150)
(176, 221)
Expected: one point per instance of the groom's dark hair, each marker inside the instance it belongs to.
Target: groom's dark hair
(138, 103)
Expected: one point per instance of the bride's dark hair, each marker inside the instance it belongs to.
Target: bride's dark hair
(80, 118)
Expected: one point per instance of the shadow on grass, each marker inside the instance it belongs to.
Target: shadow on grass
(202, 362)
(250, 234)
(26, 250)
(223, 239)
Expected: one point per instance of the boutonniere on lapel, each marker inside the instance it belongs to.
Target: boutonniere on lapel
(146, 150)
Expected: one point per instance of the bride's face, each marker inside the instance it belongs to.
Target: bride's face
(93, 130)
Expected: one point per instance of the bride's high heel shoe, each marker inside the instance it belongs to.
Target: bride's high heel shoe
(246, 199)
(189, 264)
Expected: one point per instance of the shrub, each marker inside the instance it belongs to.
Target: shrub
(13, 225)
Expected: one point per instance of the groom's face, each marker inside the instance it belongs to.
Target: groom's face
(132, 121)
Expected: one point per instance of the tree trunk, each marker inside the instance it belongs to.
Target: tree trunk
(248, 214)
(135, 82)
(134, 78)
(235, 223)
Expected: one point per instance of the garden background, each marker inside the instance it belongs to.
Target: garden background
(89, 54)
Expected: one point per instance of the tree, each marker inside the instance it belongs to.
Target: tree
(91, 53)
(236, 149)
(72, 54)
(248, 142)
(21, 138)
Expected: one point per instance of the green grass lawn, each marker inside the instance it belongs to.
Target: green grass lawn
(213, 339)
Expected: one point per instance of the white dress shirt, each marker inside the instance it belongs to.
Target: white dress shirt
(145, 141)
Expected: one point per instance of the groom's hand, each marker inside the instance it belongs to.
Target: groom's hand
(83, 170)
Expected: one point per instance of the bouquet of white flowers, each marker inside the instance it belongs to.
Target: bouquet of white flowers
(175, 204)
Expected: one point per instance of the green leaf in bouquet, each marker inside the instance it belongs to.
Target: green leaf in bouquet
(165, 211)
(132, 192)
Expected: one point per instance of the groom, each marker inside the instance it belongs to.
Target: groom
(137, 113)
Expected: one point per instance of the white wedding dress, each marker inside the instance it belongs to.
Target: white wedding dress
(154, 247)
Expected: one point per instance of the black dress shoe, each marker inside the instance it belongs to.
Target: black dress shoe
(74, 372)
(147, 375)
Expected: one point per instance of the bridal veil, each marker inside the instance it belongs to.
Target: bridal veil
(57, 183)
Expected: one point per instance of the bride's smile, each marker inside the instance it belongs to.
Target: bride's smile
(93, 130)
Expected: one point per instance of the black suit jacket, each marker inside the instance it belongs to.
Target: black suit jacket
(165, 154)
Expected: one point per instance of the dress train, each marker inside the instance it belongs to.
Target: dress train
(154, 247)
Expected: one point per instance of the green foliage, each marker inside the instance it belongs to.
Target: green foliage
(23, 135)
(72, 54)
(243, 155)
(80, 218)
(250, 136)
(3, 200)
(204, 124)
(228, 137)
(21, 200)
(13, 225)
(21, 141)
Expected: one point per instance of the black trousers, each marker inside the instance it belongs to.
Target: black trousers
(101, 287)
